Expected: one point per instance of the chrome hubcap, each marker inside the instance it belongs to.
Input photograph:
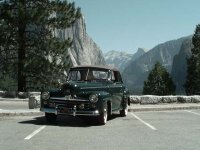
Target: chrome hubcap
(105, 115)
(126, 111)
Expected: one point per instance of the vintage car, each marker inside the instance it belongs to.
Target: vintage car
(89, 91)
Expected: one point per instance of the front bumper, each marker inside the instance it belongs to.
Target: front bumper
(72, 112)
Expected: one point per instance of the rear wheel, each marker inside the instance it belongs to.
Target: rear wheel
(51, 118)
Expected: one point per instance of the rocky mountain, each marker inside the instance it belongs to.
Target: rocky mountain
(179, 67)
(84, 50)
(121, 59)
(139, 53)
(117, 59)
(137, 71)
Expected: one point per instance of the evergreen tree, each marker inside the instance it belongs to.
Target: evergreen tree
(159, 82)
(29, 45)
(192, 85)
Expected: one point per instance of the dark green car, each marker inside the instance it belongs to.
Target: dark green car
(89, 91)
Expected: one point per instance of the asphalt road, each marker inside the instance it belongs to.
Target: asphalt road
(170, 130)
(13, 105)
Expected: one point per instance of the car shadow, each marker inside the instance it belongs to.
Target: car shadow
(114, 116)
(67, 121)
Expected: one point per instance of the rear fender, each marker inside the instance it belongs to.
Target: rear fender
(126, 98)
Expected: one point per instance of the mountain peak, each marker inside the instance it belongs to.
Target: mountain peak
(117, 58)
(121, 59)
(142, 50)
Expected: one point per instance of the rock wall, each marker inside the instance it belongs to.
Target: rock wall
(84, 50)
(179, 67)
(152, 99)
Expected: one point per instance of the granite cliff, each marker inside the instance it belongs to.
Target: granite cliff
(179, 67)
(84, 50)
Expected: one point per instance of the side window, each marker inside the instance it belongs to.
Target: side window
(83, 74)
(74, 75)
(118, 77)
(113, 76)
(78, 75)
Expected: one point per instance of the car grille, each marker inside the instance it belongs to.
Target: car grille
(71, 103)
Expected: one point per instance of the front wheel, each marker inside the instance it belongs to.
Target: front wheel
(124, 112)
(102, 119)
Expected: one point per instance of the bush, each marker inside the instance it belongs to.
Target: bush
(1, 93)
(9, 94)
(22, 95)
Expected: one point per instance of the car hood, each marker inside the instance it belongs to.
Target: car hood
(83, 85)
(80, 88)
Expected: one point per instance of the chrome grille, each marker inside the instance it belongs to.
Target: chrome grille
(71, 103)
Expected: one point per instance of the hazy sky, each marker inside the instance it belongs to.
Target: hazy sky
(125, 25)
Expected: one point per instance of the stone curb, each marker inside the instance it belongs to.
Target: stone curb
(11, 113)
(137, 109)
(15, 114)
(13, 100)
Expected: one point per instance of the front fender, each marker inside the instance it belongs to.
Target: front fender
(104, 96)
(104, 99)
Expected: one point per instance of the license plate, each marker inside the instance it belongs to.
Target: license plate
(64, 110)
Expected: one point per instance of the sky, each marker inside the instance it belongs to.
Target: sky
(126, 25)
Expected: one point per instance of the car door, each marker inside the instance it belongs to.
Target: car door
(116, 90)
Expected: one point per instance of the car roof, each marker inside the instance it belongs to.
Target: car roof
(96, 66)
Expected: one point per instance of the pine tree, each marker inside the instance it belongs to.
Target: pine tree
(29, 45)
(159, 82)
(192, 85)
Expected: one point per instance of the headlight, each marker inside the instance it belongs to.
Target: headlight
(93, 98)
(45, 95)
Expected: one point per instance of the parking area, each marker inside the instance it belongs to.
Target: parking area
(167, 130)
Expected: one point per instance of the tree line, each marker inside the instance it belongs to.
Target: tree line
(32, 56)
(159, 81)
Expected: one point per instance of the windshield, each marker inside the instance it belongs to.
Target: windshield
(88, 75)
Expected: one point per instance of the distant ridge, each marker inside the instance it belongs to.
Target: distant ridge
(121, 59)
(137, 71)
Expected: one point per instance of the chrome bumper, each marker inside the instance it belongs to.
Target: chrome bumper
(73, 112)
